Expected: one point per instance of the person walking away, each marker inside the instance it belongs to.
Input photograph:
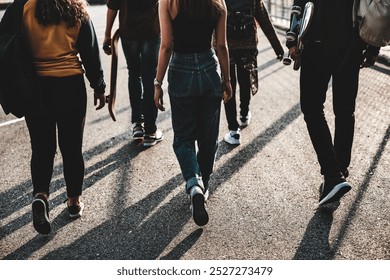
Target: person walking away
(63, 44)
(139, 31)
(195, 88)
(332, 52)
(243, 18)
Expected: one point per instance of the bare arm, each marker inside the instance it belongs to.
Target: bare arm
(110, 19)
(165, 50)
(223, 53)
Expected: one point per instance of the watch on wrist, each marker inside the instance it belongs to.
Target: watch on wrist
(157, 82)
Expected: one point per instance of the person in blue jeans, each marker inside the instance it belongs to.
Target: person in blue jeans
(195, 88)
(140, 36)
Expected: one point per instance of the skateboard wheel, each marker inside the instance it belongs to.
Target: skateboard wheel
(296, 10)
(286, 61)
(291, 36)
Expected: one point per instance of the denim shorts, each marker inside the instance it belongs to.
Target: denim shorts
(194, 74)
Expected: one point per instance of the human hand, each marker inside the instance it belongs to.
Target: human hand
(293, 53)
(99, 98)
(158, 98)
(227, 91)
(107, 45)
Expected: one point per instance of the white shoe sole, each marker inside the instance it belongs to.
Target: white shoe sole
(338, 191)
(232, 141)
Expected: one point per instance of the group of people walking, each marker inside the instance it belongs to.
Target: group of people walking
(208, 49)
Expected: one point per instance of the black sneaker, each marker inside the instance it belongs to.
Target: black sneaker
(75, 212)
(40, 210)
(333, 189)
(153, 139)
(138, 131)
(199, 212)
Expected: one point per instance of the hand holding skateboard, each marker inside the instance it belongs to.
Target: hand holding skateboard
(299, 26)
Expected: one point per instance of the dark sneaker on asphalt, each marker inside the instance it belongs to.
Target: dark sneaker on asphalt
(233, 137)
(199, 213)
(153, 139)
(138, 131)
(40, 211)
(75, 211)
(245, 120)
(333, 189)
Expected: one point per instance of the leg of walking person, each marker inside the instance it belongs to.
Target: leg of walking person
(314, 82)
(314, 85)
(70, 122)
(149, 58)
(185, 112)
(131, 51)
(233, 136)
(207, 135)
(184, 122)
(345, 88)
(243, 77)
(42, 129)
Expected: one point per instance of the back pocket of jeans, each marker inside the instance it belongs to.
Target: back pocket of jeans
(212, 83)
(180, 81)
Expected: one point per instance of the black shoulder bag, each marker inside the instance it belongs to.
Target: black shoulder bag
(18, 83)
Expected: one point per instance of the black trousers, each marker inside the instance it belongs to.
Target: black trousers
(243, 71)
(62, 114)
(321, 64)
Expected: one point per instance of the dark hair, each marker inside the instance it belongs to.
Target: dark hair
(210, 9)
(54, 11)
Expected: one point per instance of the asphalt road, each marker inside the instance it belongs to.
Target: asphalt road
(264, 193)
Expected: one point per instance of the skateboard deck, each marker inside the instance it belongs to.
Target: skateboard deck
(113, 75)
(294, 27)
(303, 27)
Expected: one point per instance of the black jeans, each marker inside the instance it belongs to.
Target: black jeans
(319, 65)
(64, 109)
(243, 70)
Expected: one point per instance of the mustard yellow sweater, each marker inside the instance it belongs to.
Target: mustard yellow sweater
(53, 47)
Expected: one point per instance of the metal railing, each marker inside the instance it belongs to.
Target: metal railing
(280, 11)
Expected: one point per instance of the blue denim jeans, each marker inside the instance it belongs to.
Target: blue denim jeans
(195, 94)
(141, 58)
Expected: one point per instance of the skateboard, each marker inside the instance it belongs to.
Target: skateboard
(110, 99)
(294, 27)
(303, 27)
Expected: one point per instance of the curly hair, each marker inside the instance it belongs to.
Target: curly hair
(50, 12)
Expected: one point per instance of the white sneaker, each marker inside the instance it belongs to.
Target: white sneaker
(233, 137)
(245, 120)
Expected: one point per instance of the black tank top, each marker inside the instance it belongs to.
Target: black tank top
(192, 35)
